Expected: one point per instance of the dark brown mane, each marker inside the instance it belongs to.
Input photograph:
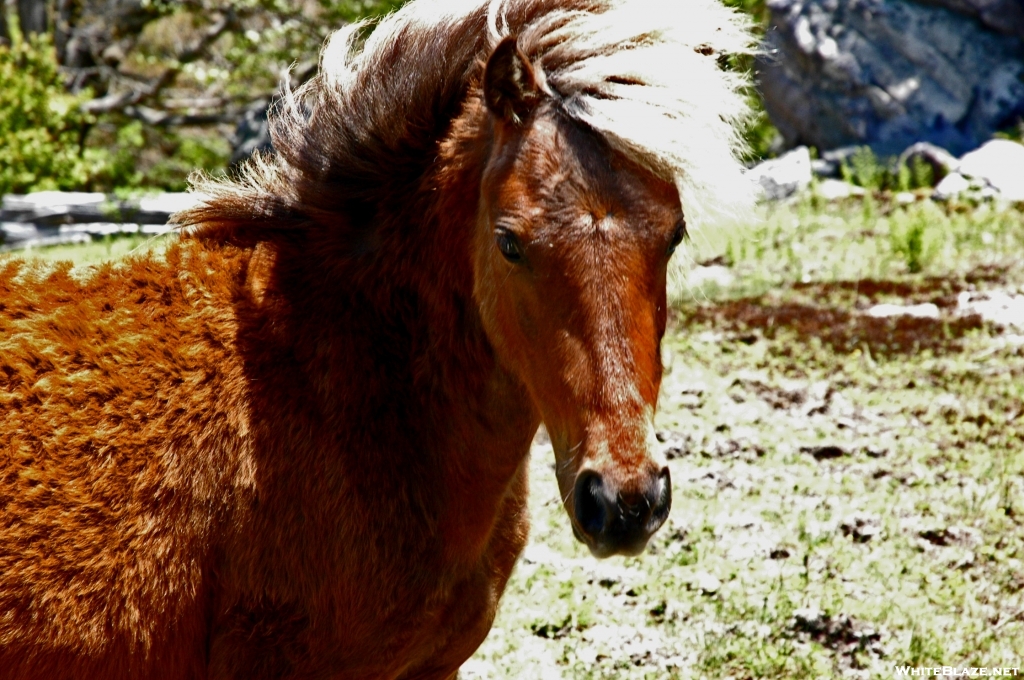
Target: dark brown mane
(357, 157)
(358, 154)
(357, 147)
(369, 147)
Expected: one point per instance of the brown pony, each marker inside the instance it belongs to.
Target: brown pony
(295, 445)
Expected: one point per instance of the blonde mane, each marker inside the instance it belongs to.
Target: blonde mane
(645, 75)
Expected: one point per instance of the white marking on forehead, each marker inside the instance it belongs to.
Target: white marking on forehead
(597, 221)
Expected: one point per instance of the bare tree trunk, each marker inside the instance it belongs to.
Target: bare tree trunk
(65, 14)
(4, 36)
(32, 16)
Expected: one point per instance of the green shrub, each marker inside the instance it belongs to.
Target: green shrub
(759, 132)
(117, 165)
(916, 236)
(50, 143)
(41, 125)
(866, 170)
(185, 153)
(916, 175)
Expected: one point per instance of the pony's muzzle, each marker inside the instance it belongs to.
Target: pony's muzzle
(614, 523)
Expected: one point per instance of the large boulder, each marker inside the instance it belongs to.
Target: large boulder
(995, 170)
(783, 176)
(889, 73)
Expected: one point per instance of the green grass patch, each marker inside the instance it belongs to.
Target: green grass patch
(107, 249)
(874, 238)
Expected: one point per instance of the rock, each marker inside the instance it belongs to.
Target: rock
(783, 176)
(41, 200)
(252, 133)
(824, 168)
(718, 275)
(888, 73)
(941, 161)
(56, 217)
(989, 172)
(834, 189)
(830, 162)
(1003, 16)
(951, 186)
(52, 208)
(994, 306)
(162, 206)
(926, 310)
(706, 583)
(1000, 163)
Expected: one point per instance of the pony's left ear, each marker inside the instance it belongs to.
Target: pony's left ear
(511, 88)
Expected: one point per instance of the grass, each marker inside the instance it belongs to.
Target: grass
(106, 249)
(866, 170)
(848, 489)
(874, 238)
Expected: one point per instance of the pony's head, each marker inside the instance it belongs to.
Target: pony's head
(575, 231)
(572, 249)
(580, 213)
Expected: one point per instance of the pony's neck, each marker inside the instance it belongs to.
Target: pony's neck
(408, 309)
(490, 417)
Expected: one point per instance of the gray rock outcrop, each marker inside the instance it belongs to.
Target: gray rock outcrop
(995, 170)
(889, 73)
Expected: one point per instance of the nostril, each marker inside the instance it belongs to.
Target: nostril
(661, 500)
(591, 509)
(613, 520)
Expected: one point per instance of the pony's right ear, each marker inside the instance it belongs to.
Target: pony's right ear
(511, 88)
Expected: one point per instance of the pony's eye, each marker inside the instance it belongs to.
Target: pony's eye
(509, 246)
(677, 236)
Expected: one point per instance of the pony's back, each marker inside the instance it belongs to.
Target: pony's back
(119, 412)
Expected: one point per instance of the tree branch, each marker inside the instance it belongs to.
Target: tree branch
(158, 118)
(121, 100)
